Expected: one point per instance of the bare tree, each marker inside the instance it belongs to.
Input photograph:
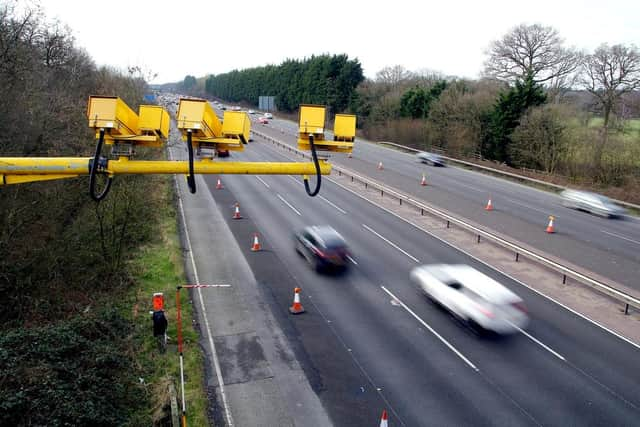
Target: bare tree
(609, 73)
(533, 51)
(393, 76)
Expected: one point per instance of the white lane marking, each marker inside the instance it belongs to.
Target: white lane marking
(520, 282)
(262, 181)
(328, 201)
(546, 347)
(391, 243)
(621, 237)
(214, 354)
(445, 342)
(479, 190)
(528, 207)
(289, 204)
(352, 260)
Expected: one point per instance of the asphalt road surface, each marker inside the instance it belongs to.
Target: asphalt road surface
(370, 341)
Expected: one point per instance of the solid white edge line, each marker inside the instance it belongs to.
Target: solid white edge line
(214, 354)
(288, 204)
(540, 343)
(262, 181)
(352, 260)
(332, 204)
(604, 328)
(423, 323)
(621, 237)
(392, 244)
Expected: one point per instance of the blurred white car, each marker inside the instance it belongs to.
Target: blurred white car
(431, 159)
(268, 116)
(473, 297)
(592, 203)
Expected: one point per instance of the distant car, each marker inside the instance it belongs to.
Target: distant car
(268, 116)
(263, 120)
(223, 153)
(431, 159)
(592, 203)
(223, 107)
(251, 111)
(323, 247)
(473, 297)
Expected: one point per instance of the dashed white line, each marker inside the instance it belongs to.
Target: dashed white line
(546, 347)
(289, 204)
(262, 181)
(528, 207)
(391, 243)
(423, 323)
(352, 260)
(332, 204)
(621, 237)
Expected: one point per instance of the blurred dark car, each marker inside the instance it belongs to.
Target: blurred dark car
(431, 159)
(323, 247)
(223, 153)
(593, 203)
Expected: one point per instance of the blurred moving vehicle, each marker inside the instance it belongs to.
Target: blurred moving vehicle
(223, 153)
(251, 111)
(473, 297)
(263, 120)
(322, 246)
(431, 159)
(591, 202)
(268, 116)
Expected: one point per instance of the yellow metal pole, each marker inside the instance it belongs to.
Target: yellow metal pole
(14, 170)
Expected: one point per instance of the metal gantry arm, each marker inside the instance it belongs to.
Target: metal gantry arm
(18, 170)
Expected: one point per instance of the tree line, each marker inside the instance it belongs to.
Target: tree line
(325, 79)
(65, 357)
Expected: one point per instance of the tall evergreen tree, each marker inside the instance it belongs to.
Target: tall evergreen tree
(510, 107)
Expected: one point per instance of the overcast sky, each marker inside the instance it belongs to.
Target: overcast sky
(180, 37)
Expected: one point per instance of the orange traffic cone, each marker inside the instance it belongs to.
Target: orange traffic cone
(237, 215)
(219, 185)
(489, 206)
(380, 167)
(550, 228)
(296, 308)
(256, 244)
(424, 180)
(384, 420)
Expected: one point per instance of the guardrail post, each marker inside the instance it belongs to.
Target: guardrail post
(564, 279)
(447, 223)
(400, 202)
(478, 238)
(351, 179)
(626, 309)
(517, 256)
(381, 193)
(365, 185)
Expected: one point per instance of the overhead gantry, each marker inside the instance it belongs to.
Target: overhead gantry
(118, 126)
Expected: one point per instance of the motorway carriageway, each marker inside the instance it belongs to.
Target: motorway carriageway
(370, 340)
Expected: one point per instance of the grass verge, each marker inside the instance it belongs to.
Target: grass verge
(158, 267)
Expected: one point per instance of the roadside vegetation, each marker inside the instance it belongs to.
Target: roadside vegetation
(76, 276)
